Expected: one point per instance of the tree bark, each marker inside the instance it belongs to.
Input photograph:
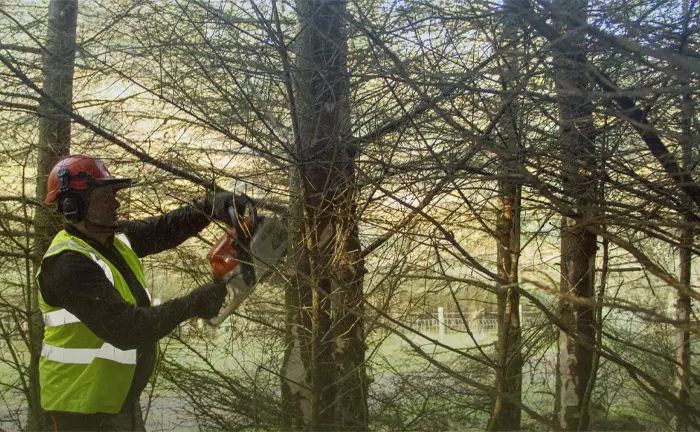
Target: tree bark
(296, 365)
(54, 143)
(578, 246)
(327, 335)
(506, 414)
(683, 313)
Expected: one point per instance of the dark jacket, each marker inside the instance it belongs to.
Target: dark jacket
(75, 282)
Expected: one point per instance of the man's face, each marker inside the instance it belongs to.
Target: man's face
(103, 206)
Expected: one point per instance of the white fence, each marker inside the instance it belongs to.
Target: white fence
(440, 322)
(450, 322)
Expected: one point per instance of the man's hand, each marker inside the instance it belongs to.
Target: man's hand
(218, 203)
(206, 300)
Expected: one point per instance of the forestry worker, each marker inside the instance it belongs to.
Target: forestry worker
(100, 344)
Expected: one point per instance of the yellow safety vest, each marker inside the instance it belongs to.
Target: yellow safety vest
(79, 372)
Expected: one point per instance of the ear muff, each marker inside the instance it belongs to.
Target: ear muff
(73, 206)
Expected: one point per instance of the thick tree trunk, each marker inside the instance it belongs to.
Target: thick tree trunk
(578, 246)
(296, 365)
(54, 143)
(327, 337)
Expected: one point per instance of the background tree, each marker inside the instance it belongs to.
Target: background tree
(506, 414)
(326, 334)
(683, 304)
(578, 245)
(53, 143)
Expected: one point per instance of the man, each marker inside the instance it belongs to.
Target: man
(101, 333)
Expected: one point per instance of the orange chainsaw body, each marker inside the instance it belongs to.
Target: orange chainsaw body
(223, 256)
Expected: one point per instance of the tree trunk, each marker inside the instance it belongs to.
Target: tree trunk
(351, 412)
(506, 413)
(296, 365)
(578, 246)
(683, 313)
(326, 337)
(54, 143)
(683, 304)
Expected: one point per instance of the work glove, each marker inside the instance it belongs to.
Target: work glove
(218, 203)
(206, 300)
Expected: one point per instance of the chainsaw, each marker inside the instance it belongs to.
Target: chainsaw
(246, 255)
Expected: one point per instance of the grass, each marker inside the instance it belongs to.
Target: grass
(406, 380)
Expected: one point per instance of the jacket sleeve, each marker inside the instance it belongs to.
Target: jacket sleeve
(74, 282)
(159, 233)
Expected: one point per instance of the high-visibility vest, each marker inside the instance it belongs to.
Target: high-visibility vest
(79, 372)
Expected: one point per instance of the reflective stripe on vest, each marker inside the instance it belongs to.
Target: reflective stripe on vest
(87, 355)
(103, 265)
(59, 318)
(127, 243)
(124, 239)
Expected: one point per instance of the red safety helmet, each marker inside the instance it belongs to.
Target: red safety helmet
(80, 173)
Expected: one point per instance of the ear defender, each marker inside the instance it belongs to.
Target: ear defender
(71, 204)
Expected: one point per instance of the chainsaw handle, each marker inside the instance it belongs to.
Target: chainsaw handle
(232, 215)
(243, 235)
(252, 213)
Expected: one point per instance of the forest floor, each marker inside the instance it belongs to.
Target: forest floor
(241, 354)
